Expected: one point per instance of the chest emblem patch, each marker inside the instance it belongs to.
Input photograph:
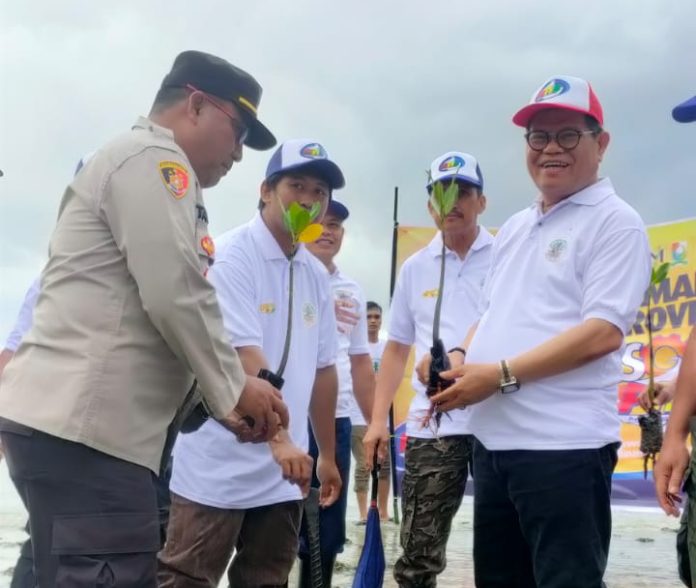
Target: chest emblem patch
(208, 245)
(267, 308)
(430, 293)
(309, 314)
(557, 250)
(175, 177)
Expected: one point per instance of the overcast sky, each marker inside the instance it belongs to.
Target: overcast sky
(386, 86)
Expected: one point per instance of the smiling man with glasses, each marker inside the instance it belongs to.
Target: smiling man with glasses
(543, 363)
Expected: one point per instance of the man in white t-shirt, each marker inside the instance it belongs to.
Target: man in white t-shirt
(227, 495)
(437, 459)
(356, 384)
(543, 363)
(358, 423)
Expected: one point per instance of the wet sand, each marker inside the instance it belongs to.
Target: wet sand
(642, 550)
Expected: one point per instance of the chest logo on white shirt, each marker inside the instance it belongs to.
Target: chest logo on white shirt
(557, 250)
(309, 314)
(430, 293)
(267, 307)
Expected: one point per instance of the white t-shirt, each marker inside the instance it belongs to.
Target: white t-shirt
(24, 318)
(352, 339)
(587, 257)
(413, 310)
(376, 350)
(251, 276)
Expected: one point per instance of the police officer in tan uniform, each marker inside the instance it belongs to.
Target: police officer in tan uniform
(124, 322)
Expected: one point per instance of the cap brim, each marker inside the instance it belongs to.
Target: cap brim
(686, 111)
(459, 178)
(524, 115)
(259, 137)
(322, 167)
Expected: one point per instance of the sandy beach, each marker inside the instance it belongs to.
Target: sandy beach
(642, 549)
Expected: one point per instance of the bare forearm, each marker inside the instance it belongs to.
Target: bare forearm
(363, 377)
(684, 402)
(571, 349)
(322, 410)
(391, 372)
(252, 359)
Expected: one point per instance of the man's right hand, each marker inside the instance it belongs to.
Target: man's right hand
(670, 469)
(264, 405)
(377, 436)
(423, 366)
(664, 393)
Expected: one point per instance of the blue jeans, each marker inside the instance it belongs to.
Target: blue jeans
(332, 520)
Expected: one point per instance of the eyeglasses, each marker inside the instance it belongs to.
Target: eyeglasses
(241, 131)
(565, 138)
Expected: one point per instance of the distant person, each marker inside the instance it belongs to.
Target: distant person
(437, 457)
(356, 385)
(358, 423)
(229, 497)
(125, 321)
(568, 274)
(672, 463)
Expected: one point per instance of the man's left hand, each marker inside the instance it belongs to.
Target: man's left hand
(330, 480)
(474, 383)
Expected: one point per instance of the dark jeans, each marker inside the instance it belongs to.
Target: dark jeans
(332, 520)
(542, 519)
(92, 517)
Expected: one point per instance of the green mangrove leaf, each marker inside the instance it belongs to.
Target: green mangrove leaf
(443, 199)
(314, 211)
(659, 274)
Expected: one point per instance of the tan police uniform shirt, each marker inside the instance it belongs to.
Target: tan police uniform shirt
(126, 315)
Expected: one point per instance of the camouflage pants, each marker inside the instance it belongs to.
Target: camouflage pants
(432, 490)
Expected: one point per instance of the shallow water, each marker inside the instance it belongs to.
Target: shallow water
(642, 550)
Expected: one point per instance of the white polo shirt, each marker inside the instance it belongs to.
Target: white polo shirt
(413, 309)
(587, 257)
(24, 318)
(352, 339)
(250, 275)
(376, 350)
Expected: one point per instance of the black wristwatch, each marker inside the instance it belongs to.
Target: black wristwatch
(460, 349)
(508, 382)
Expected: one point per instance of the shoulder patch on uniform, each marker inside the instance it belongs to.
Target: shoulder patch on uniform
(175, 177)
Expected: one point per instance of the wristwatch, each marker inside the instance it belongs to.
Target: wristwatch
(508, 382)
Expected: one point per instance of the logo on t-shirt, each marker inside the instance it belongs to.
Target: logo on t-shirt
(309, 314)
(430, 293)
(557, 250)
(267, 307)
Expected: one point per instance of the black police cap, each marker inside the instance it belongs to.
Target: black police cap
(220, 78)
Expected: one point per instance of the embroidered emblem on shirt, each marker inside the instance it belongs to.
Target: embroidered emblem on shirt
(175, 177)
(309, 314)
(430, 293)
(557, 250)
(267, 308)
(208, 245)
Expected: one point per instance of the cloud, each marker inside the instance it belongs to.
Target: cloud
(386, 86)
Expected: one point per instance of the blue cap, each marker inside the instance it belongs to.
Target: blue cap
(338, 210)
(306, 155)
(686, 111)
